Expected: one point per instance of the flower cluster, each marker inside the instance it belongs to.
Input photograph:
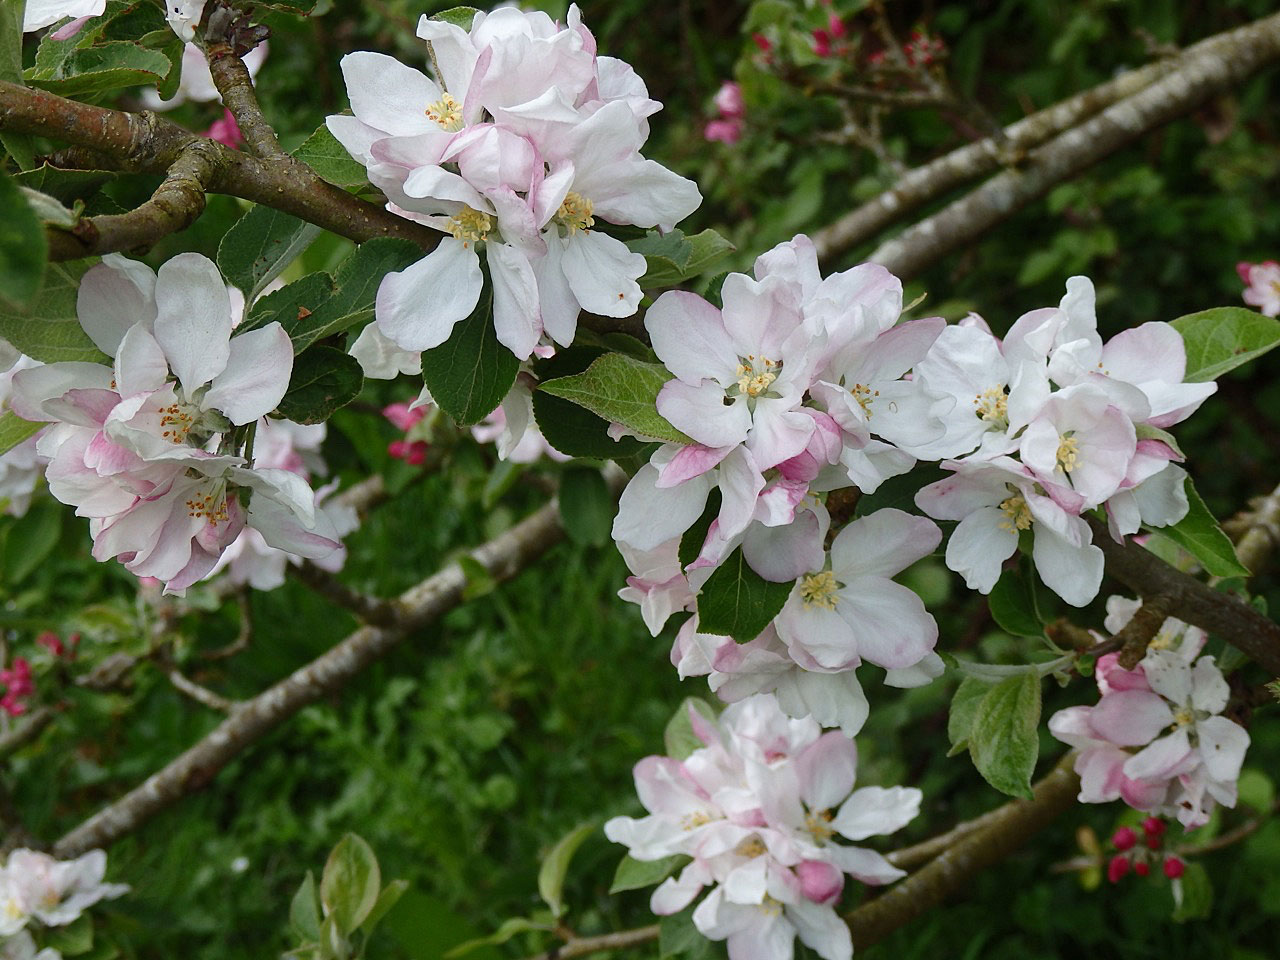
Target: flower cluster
(1262, 286)
(38, 891)
(520, 149)
(727, 127)
(1140, 857)
(148, 448)
(18, 686)
(1157, 738)
(760, 809)
(1049, 424)
(21, 466)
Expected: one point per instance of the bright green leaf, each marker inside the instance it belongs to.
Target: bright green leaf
(964, 703)
(356, 285)
(23, 249)
(586, 506)
(459, 16)
(49, 330)
(304, 911)
(351, 883)
(693, 540)
(1002, 735)
(569, 428)
(389, 897)
(678, 738)
(623, 390)
(678, 937)
(555, 866)
(324, 379)
(737, 602)
(31, 539)
(72, 940)
(470, 373)
(103, 67)
(260, 245)
(1222, 339)
(13, 430)
(633, 874)
(1199, 534)
(330, 160)
(293, 306)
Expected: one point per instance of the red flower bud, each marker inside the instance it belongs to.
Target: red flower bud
(1117, 868)
(1173, 868)
(1153, 826)
(1141, 868)
(1124, 838)
(762, 42)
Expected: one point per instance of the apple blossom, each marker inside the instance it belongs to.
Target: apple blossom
(38, 14)
(35, 886)
(1262, 286)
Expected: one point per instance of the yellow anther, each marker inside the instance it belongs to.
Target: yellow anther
(1163, 640)
(208, 507)
(756, 374)
(575, 213)
(1184, 717)
(1068, 454)
(751, 847)
(692, 820)
(819, 590)
(177, 421)
(992, 405)
(819, 824)
(447, 112)
(864, 395)
(1017, 512)
(470, 225)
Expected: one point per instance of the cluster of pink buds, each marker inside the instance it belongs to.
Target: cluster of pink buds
(828, 40)
(923, 50)
(56, 646)
(412, 449)
(1140, 858)
(18, 686)
(727, 127)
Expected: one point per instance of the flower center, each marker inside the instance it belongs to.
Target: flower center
(177, 419)
(819, 590)
(864, 395)
(770, 906)
(210, 505)
(447, 112)
(12, 909)
(1017, 513)
(575, 213)
(1068, 453)
(1184, 717)
(992, 406)
(819, 824)
(751, 847)
(756, 375)
(1163, 640)
(470, 225)
(691, 821)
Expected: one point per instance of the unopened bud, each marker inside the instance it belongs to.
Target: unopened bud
(1153, 826)
(1117, 868)
(1174, 868)
(1141, 868)
(1124, 838)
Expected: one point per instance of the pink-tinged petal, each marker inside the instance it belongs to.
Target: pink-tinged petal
(875, 811)
(113, 296)
(782, 553)
(692, 460)
(1113, 677)
(1101, 770)
(387, 95)
(1072, 572)
(193, 319)
(140, 365)
(281, 528)
(820, 882)
(690, 339)
(356, 138)
(863, 864)
(640, 192)
(602, 272)
(1161, 759)
(1209, 688)
(674, 894)
(1130, 718)
(418, 307)
(883, 544)
(827, 768)
(1222, 745)
(700, 412)
(560, 308)
(1072, 726)
(33, 387)
(1151, 351)
(920, 674)
(84, 408)
(777, 433)
(979, 546)
(760, 314)
(648, 516)
(823, 635)
(889, 621)
(957, 496)
(1169, 675)
(517, 319)
(821, 929)
(256, 377)
(454, 52)
(740, 484)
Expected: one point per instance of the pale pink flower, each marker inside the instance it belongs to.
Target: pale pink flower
(34, 885)
(38, 14)
(1262, 285)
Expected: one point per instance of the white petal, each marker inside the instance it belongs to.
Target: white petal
(193, 319)
(1073, 573)
(113, 296)
(387, 95)
(517, 319)
(1223, 745)
(256, 377)
(979, 546)
(602, 272)
(648, 516)
(689, 337)
(418, 307)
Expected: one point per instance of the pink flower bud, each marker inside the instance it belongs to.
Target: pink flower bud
(836, 26)
(725, 131)
(1174, 868)
(1153, 827)
(822, 43)
(226, 131)
(1141, 868)
(1117, 868)
(728, 100)
(1124, 838)
(51, 642)
(819, 880)
(400, 415)
(762, 42)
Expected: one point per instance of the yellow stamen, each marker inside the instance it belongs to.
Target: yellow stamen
(179, 422)
(1018, 513)
(575, 213)
(1183, 717)
(208, 506)
(470, 225)
(692, 820)
(819, 824)
(756, 374)
(1068, 453)
(447, 112)
(819, 590)
(992, 405)
(864, 395)
(751, 847)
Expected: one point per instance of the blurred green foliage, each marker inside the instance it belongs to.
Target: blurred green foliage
(464, 756)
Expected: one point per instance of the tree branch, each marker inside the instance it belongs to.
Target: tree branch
(145, 143)
(501, 558)
(581, 946)
(26, 730)
(1201, 76)
(1237, 622)
(232, 79)
(1007, 829)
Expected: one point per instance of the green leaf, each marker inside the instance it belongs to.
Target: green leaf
(1147, 432)
(351, 882)
(1002, 735)
(324, 379)
(695, 537)
(304, 911)
(571, 429)
(673, 258)
(964, 704)
(622, 390)
(1199, 534)
(470, 373)
(586, 506)
(1013, 608)
(555, 866)
(1222, 339)
(458, 16)
(709, 249)
(633, 874)
(504, 933)
(1194, 901)
(260, 245)
(66, 186)
(49, 330)
(31, 539)
(13, 430)
(72, 940)
(293, 306)
(678, 738)
(356, 281)
(678, 937)
(330, 160)
(23, 249)
(101, 68)
(737, 602)
(11, 41)
(387, 899)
